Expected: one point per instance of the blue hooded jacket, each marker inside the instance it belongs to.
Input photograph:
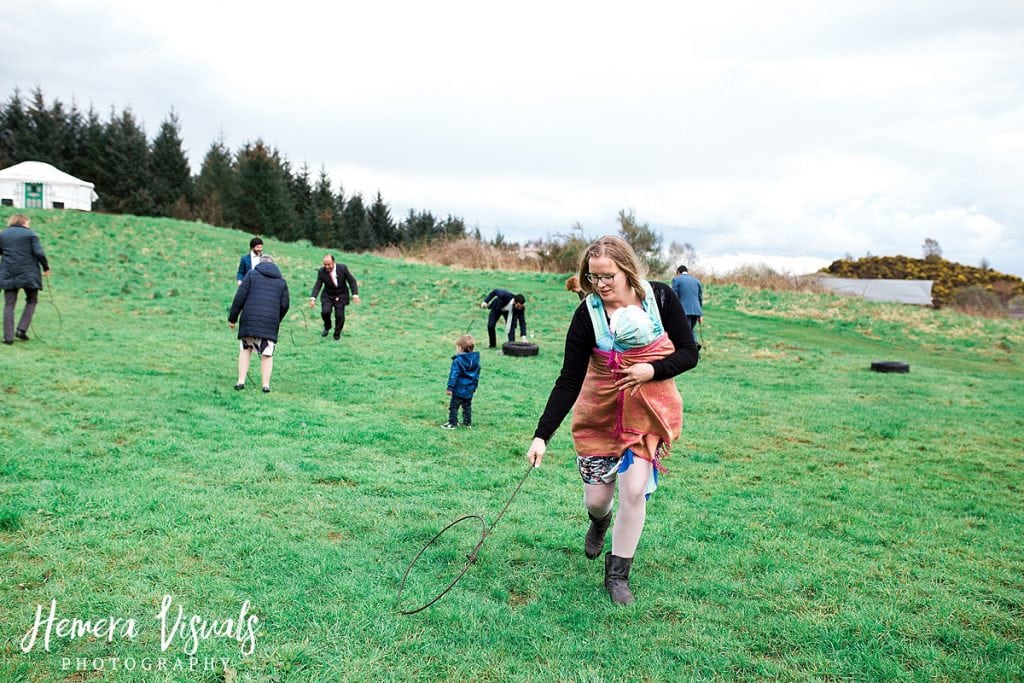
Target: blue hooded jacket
(261, 301)
(465, 374)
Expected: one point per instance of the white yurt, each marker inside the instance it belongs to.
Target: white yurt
(37, 185)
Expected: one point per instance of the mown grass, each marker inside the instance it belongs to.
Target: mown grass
(819, 522)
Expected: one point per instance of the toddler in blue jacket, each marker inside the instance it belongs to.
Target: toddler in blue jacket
(462, 381)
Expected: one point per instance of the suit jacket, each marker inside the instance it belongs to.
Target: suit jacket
(244, 266)
(498, 299)
(346, 281)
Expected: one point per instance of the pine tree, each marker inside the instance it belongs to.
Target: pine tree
(171, 186)
(263, 204)
(123, 185)
(46, 126)
(72, 141)
(92, 146)
(338, 237)
(302, 201)
(216, 186)
(378, 217)
(354, 225)
(452, 228)
(323, 230)
(418, 228)
(15, 130)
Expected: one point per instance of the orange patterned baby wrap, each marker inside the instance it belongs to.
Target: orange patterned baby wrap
(605, 422)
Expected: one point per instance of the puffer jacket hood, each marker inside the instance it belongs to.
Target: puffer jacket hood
(465, 374)
(268, 269)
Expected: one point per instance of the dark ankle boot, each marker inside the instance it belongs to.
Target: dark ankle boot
(594, 542)
(616, 578)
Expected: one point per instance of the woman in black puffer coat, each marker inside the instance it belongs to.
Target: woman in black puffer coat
(261, 303)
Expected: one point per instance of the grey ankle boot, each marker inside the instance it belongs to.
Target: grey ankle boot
(616, 578)
(594, 542)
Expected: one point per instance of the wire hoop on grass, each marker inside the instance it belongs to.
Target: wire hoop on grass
(305, 324)
(470, 558)
(60, 319)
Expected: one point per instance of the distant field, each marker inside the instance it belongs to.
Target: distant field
(818, 522)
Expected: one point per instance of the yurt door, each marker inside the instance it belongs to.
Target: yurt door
(33, 195)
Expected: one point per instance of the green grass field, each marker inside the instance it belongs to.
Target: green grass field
(818, 522)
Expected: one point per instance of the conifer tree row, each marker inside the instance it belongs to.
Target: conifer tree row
(254, 189)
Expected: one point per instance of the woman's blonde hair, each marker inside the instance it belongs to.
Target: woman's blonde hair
(18, 219)
(619, 251)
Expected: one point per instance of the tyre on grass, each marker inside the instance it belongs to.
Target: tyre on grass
(514, 348)
(890, 366)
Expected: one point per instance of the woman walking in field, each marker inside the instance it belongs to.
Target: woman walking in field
(627, 341)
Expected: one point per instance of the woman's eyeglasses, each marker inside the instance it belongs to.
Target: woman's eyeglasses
(594, 279)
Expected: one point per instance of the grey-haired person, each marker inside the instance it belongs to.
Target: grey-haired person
(21, 260)
(259, 306)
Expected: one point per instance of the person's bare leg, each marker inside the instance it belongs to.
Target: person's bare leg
(266, 368)
(243, 364)
(629, 522)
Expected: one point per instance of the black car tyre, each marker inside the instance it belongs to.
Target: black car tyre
(519, 349)
(890, 366)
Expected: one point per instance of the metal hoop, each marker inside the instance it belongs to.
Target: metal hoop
(470, 559)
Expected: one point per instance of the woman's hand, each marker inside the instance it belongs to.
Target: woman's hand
(536, 453)
(632, 377)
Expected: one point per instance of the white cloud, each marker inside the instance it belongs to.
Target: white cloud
(785, 130)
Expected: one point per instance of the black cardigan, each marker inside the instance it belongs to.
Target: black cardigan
(580, 341)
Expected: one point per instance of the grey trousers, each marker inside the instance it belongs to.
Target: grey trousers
(11, 298)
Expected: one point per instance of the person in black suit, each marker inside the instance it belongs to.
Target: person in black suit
(336, 280)
(503, 302)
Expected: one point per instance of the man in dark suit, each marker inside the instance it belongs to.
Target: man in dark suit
(336, 281)
(503, 302)
(250, 260)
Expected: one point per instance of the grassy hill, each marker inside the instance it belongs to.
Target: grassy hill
(819, 521)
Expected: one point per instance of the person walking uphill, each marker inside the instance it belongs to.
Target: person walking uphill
(627, 341)
(691, 298)
(502, 303)
(21, 258)
(336, 281)
(260, 304)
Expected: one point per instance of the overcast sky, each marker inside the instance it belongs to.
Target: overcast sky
(793, 132)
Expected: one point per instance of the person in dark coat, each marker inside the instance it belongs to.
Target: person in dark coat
(462, 382)
(250, 260)
(260, 304)
(336, 280)
(503, 302)
(21, 258)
